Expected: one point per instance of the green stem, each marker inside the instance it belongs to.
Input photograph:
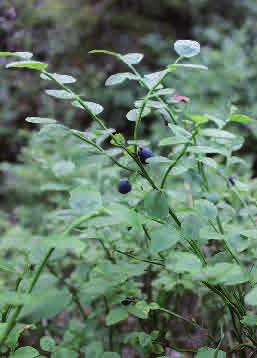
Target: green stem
(181, 154)
(176, 315)
(8, 309)
(147, 235)
(141, 78)
(107, 251)
(88, 141)
(241, 199)
(139, 117)
(139, 258)
(144, 84)
(190, 322)
(241, 346)
(175, 218)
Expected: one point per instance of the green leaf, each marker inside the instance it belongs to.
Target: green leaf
(119, 78)
(208, 161)
(191, 226)
(225, 273)
(217, 133)
(13, 337)
(97, 287)
(92, 107)
(45, 304)
(158, 160)
(141, 309)
(33, 65)
(24, 55)
(158, 348)
(133, 114)
(201, 149)
(164, 92)
(251, 297)
(7, 267)
(64, 79)
(6, 53)
(119, 139)
(206, 352)
(139, 338)
(47, 343)
(85, 199)
(64, 353)
(150, 104)
(163, 238)
(118, 215)
(60, 94)
(187, 48)
(63, 168)
(13, 298)
(116, 315)
(179, 131)
(64, 243)
(110, 355)
(156, 204)
(188, 65)
(206, 209)
(250, 319)
(198, 118)
(40, 120)
(173, 141)
(241, 118)
(184, 262)
(25, 352)
(133, 58)
(219, 122)
(94, 349)
(152, 79)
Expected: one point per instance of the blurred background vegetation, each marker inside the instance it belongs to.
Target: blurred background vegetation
(62, 32)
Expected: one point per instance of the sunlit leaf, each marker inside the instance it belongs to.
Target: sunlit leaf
(40, 120)
(60, 94)
(33, 65)
(133, 58)
(59, 78)
(116, 315)
(187, 48)
(95, 108)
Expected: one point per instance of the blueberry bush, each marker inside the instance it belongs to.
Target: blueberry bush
(133, 247)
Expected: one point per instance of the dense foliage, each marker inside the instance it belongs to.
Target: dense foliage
(126, 247)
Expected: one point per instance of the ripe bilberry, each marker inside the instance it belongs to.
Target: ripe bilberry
(124, 186)
(144, 153)
(232, 180)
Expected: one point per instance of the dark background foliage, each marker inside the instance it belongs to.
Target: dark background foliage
(62, 33)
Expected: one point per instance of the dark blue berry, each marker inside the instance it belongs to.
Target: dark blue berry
(144, 153)
(232, 180)
(124, 186)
